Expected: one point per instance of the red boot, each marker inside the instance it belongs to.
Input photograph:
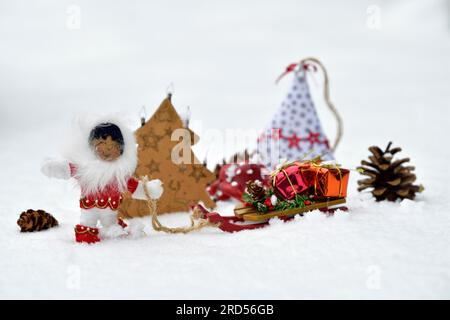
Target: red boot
(86, 234)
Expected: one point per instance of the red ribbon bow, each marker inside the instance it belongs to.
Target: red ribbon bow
(290, 68)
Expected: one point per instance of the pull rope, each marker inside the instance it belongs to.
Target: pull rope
(326, 95)
(156, 224)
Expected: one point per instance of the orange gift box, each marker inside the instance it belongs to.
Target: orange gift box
(325, 180)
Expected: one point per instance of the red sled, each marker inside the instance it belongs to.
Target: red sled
(248, 218)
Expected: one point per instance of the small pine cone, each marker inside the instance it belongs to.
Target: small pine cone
(36, 220)
(256, 190)
(390, 180)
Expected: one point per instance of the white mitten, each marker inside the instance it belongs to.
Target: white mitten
(155, 188)
(59, 169)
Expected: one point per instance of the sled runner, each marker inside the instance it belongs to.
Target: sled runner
(247, 218)
(251, 214)
(226, 223)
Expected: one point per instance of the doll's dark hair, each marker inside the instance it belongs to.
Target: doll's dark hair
(103, 130)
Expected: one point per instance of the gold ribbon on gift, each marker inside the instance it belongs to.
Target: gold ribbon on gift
(317, 163)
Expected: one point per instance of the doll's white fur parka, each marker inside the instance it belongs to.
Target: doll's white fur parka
(101, 182)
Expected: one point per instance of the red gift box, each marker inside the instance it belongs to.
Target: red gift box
(288, 181)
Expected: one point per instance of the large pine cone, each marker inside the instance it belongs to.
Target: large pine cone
(390, 180)
(36, 220)
(256, 190)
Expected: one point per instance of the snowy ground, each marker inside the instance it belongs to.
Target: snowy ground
(389, 83)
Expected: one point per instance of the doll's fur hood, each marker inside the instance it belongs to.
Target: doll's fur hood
(92, 173)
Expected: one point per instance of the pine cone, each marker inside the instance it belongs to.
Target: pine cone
(390, 180)
(36, 220)
(256, 190)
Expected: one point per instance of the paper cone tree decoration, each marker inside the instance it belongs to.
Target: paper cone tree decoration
(295, 131)
(173, 162)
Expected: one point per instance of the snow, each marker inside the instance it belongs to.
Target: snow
(389, 80)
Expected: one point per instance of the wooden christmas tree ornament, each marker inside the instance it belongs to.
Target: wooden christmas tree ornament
(184, 180)
(389, 179)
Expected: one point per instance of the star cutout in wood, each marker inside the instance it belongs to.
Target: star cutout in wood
(197, 172)
(167, 115)
(152, 167)
(151, 140)
(182, 168)
(168, 132)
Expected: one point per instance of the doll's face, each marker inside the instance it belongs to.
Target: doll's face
(106, 149)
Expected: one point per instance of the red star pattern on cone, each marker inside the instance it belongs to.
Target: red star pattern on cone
(293, 141)
(314, 138)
